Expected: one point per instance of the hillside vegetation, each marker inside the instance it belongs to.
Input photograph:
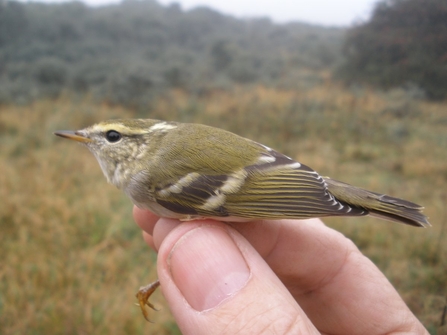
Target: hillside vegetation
(129, 53)
(403, 44)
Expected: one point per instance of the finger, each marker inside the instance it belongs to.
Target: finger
(341, 290)
(149, 240)
(145, 219)
(214, 281)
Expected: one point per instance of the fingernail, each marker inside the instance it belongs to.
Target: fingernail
(207, 267)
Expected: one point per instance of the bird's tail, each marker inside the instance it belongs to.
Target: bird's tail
(379, 205)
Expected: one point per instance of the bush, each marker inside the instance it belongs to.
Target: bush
(403, 43)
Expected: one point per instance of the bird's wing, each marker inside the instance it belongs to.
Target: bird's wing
(275, 187)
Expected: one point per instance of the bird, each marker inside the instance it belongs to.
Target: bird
(190, 171)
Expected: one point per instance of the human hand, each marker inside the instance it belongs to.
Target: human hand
(285, 276)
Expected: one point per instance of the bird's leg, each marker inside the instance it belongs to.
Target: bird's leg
(143, 295)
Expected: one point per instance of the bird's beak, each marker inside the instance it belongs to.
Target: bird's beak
(73, 135)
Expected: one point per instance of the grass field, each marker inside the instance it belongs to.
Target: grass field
(73, 259)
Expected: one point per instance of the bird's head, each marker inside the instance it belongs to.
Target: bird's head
(120, 146)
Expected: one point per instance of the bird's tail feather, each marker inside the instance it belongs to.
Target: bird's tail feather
(379, 205)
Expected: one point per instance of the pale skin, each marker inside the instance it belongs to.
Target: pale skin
(271, 277)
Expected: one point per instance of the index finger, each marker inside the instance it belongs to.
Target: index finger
(340, 289)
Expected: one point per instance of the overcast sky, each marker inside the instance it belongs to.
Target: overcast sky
(326, 12)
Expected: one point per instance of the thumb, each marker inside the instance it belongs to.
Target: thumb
(216, 283)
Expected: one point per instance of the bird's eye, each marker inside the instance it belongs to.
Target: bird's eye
(113, 136)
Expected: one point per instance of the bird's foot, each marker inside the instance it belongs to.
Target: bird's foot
(143, 295)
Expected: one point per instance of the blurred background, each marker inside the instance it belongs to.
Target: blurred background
(355, 89)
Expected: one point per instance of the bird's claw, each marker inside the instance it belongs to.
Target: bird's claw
(143, 295)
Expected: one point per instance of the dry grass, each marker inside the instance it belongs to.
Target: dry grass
(73, 259)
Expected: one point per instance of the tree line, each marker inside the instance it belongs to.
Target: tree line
(131, 52)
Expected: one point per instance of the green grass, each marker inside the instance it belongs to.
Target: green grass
(73, 258)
